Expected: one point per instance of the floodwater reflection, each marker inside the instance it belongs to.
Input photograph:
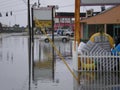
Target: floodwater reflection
(44, 61)
(13, 63)
(63, 79)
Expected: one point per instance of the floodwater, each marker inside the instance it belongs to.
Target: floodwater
(14, 72)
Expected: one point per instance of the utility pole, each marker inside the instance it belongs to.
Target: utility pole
(29, 45)
(77, 31)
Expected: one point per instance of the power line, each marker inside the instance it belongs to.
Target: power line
(24, 2)
(11, 13)
(10, 5)
(4, 2)
(20, 10)
(69, 5)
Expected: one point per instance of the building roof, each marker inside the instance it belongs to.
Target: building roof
(68, 14)
(71, 14)
(109, 16)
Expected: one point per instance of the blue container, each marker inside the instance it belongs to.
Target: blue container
(116, 50)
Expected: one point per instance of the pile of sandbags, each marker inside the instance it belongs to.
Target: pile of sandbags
(91, 48)
(98, 54)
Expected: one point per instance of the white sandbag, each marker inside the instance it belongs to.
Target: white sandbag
(81, 46)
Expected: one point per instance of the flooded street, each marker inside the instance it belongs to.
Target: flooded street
(13, 63)
(14, 72)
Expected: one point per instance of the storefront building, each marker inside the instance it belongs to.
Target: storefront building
(109, 19)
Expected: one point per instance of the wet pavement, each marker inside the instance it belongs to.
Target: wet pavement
(14, 68)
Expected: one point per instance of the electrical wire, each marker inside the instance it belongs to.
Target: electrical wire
(10, 4)
(69, 5)
(24, 2)
(7, 2)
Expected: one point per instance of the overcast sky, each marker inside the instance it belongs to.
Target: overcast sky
(19, 9)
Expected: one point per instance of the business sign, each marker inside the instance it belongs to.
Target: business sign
(44, 23)
(100, 2)
(44, 16)
(42, 13)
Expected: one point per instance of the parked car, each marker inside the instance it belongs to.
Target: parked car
(65, 32)
(68, 33)
(56, 38)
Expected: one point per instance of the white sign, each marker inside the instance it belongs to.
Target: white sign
(43, 13)
(100, 2)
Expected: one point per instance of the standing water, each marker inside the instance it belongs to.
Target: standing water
(14, 68)
(13, 63)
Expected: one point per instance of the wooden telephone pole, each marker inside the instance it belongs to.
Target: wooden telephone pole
(77, 31)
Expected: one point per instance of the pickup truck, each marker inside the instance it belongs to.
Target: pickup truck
(56, 38)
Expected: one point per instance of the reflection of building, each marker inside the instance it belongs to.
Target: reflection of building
(109, 19)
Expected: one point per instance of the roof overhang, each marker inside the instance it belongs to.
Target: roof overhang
(111, 16)
(100, 2)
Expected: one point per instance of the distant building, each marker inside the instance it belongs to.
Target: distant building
(65, 19)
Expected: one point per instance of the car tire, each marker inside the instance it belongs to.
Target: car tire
(46, 40)
(64, 39)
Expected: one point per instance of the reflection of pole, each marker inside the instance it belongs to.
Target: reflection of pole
(29, 44)
(39, 51)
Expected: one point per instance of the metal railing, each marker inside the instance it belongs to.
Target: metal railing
(93, 61)
(99, 62)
